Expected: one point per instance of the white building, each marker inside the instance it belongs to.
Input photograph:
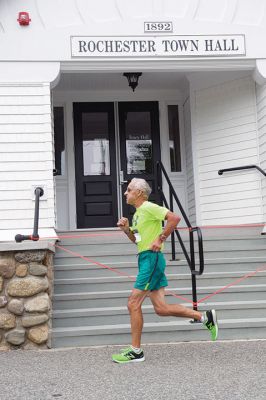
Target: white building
(200, 106)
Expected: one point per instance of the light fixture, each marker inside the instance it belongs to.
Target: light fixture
(133, 79)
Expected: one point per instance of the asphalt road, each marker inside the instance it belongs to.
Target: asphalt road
(183, 371)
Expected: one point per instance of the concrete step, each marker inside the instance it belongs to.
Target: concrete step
(118, 315)
(90, 270)
(119, 298)
(130, 251)
(116, 236)
(117, 245)
(89, 304)
(116, 282)
(169, 331)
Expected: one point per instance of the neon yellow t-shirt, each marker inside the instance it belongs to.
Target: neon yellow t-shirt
(147, 224)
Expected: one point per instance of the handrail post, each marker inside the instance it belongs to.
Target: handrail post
(192, 267)
(173, 233)
(38, 193)
(35, 236)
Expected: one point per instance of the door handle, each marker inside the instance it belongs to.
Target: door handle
(122, 181)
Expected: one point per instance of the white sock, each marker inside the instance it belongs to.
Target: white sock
(203, 318)
(136, 349)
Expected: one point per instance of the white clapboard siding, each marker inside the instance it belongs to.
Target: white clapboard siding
(25, 137)
(25, 147)
(25, 119)
(27, 166)
(20, 185)
(12, 224)
(221, 164)
(25, 101)
(16, 195)
(25, 128)
(27, 214)
(227, 132)
(24, 204)
(33, 176)
(229, 156)
(226, 136)
(189, 164)
(26, 155)
(225, 125)
(33, 156)
(229, 189)
(35, 109)
(261, 114)
(24, 90)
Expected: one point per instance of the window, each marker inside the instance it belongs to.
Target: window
(95, 142)
(138, 142)
(59, 140)
(174, 138)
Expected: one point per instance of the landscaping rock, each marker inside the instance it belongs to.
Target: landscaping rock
(16, 336)
(28, 256)
(16, 306)
(38, 304)
(7, 320)
(39, 334)
(31, 320)
(26, 287)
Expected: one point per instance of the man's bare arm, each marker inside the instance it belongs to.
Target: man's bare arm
(123, 224)
(172, 221)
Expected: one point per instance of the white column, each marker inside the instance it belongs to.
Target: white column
(260, 78)
(26, 147)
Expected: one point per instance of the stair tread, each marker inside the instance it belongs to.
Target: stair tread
(175, 323)
(146, 307)
(180, 276)
(208, 289)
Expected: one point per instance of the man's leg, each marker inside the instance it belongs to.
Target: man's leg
(136, 318)
(208, 318)
(131, 354)
(176, 310)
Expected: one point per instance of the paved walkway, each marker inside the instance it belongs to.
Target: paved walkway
(185, 371)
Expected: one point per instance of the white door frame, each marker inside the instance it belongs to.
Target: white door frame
(67, 98)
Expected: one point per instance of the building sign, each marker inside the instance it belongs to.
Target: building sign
(162, 46)
(158, 27)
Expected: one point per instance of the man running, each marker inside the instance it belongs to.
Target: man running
(146, 231)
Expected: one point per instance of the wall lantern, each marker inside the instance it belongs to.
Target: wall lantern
(133, 79)
(23, 18)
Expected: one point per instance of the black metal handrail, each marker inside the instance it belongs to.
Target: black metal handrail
(189, 257)
(35, 236)
(221, 171)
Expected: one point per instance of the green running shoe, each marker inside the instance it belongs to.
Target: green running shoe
(128, 355)
(211, 323)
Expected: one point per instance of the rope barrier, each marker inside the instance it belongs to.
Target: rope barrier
(119, 233)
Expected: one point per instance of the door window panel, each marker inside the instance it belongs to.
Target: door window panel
(59, 141)
(138, 142)
(174, 138)
(95, 143)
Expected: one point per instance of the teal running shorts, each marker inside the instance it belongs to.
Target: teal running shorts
(151, 274)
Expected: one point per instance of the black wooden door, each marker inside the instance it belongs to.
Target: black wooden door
(95, 165)
(139, 145)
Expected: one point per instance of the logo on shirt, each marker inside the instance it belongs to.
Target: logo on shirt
(135, 220)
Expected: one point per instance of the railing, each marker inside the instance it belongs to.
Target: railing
(190, 257)
(221, 171)
(35, 236)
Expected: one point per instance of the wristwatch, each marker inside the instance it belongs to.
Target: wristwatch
(162, 237)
